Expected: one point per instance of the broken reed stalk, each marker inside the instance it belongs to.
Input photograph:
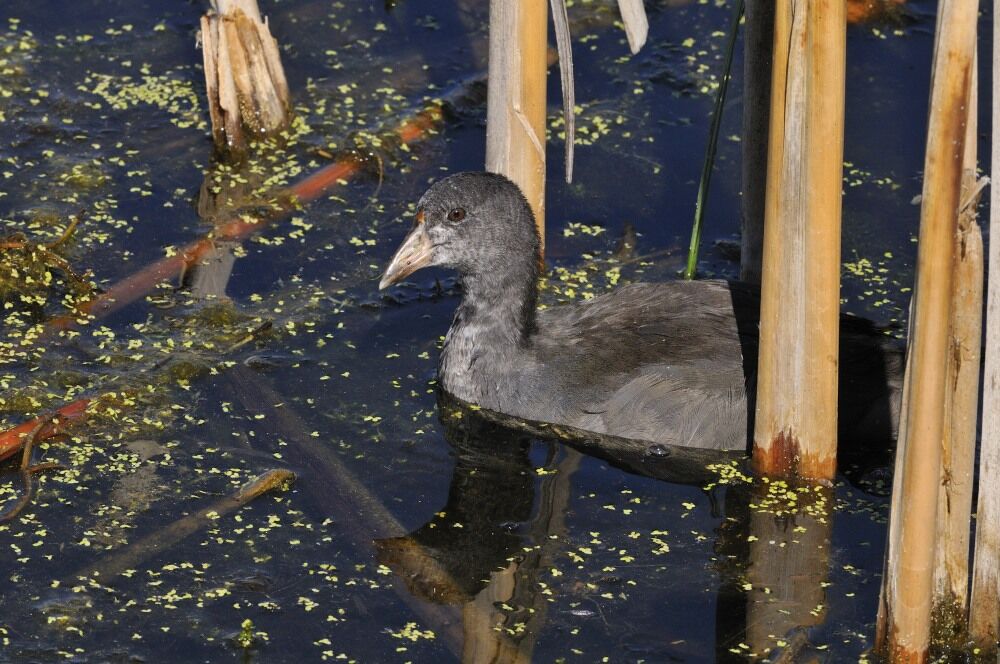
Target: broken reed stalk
(515, 108)
(758, 41)
(796, 422)
(909, 572)
(984, 611)
(958, 449)
(895, 501)
(636, 24)
(154, 544)
(247, 92)
(713, 140)
(140, 283)
(51, 425)
(27, 471)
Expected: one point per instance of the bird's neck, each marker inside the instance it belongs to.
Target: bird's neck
(493, 324)
(499, 306)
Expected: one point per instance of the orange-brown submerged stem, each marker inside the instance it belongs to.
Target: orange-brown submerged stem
(47, 426)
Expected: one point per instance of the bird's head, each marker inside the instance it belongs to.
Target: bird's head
(476, 223)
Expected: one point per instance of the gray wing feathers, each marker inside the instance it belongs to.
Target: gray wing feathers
(698, 399)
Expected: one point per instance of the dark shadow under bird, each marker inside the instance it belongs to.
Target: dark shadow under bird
(648, 366)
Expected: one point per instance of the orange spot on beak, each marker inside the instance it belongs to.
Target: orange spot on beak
(420, 217)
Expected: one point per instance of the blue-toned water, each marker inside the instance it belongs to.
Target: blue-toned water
(404, 537)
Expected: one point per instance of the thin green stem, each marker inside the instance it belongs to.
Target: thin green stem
(713, 141)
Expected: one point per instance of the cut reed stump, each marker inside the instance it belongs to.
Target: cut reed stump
(958, 449)
(905, 616)
(984, 612)
(247, 92)
(795, 430)
(515, 109)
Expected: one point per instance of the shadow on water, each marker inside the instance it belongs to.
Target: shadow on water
(497, 537)
(490, 548)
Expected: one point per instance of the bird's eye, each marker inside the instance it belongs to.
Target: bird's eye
(458, 214)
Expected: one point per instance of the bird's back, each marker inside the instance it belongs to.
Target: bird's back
(655, 362)
(673, 364)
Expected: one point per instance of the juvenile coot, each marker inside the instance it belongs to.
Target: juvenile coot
(660, 364)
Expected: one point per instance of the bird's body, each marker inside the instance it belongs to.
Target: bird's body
(619, 364)
(662, 364)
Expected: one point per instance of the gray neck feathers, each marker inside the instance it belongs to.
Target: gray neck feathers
(493, 325)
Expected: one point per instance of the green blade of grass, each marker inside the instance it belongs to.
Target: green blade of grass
(713, 140)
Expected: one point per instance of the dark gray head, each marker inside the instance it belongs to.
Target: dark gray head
(478, 223)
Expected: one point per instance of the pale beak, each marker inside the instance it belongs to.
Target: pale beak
(416, 252)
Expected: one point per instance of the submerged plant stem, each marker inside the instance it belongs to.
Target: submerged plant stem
(27, 471)
(156, 543)
(42, 427)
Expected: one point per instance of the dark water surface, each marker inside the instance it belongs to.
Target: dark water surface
(405, 537)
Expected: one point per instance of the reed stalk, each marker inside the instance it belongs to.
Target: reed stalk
(906, 615)
(515, 109)
(984, 613)
(796, 421)
(958, 449)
